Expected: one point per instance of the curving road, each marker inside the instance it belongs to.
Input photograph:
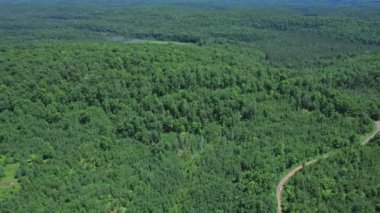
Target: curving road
(291, 173)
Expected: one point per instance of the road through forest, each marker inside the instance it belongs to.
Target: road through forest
(294, 171)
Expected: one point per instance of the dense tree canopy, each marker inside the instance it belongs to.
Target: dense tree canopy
(181, 108)
(347, 182)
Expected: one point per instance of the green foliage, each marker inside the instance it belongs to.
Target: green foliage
(294, 36)
(347, 182)
(2, 173)
(9, 185)
(177, 109)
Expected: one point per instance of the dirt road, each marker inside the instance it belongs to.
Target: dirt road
(291, 173)
(377, 123)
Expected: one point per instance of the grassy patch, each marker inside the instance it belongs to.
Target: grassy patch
(8, 183)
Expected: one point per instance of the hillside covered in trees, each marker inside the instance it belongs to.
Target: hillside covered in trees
(186, 107)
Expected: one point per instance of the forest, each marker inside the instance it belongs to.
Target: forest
(348, 182)
(188, 107)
